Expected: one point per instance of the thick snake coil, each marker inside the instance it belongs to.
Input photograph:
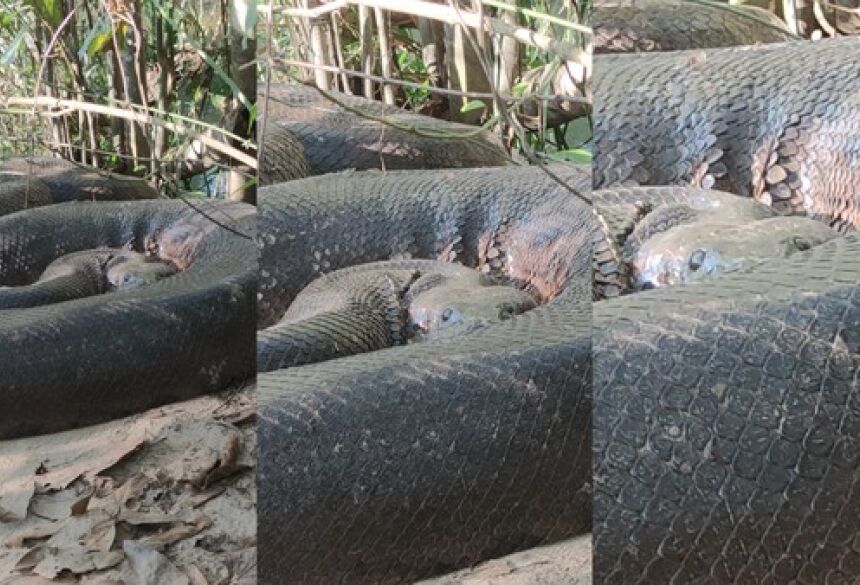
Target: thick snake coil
(414, 460)
(784, 131)
(727, 413)
(624, 26)
(335, 138)
(101, 357)
(727, 427)
(34, 182)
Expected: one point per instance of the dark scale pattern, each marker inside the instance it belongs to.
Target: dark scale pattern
(346, 312)
(420, 142)
(89, 360)
(33, 182)
(785, 130)
(282, 157)
(727, 427)
(82, 275)
(625, 26)
(416, 460)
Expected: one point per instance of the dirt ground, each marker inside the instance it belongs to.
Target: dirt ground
(167, 497)
(564, 563)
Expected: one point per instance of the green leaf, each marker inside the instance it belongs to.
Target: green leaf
(578, 131)
(12, 52)
(98, 39)
(51, 11)
(575, 155)
(520, 88)
(100, 43)
(7, 20)
(473, 105)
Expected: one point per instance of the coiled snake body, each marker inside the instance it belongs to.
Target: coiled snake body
(415, 460)
(727, 414)
(349, 132)
(784, 131)
(34, 182)
(101, 357)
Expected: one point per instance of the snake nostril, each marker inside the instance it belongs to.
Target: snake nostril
(697, 259)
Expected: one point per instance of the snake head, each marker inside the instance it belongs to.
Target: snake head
(708, 249)
(131, 270)
(453, 308)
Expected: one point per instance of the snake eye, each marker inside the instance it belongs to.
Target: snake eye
(697, 259)
(506, 312)
(801, 244)
(447, 314)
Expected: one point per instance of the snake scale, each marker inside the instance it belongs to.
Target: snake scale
(727, 414)
(783, 132)
(323, 133)
(33, 182)
(415, 460)
(97, 358)
(623, 26)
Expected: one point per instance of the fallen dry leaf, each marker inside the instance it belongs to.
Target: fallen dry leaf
(76, 560)
(196, 576)
(17, 487)
(9, 558)
(32, 528)
(243, 567)
(145, 566)
(81, 493)
(61, 504)
(177, 533)
(80, 545)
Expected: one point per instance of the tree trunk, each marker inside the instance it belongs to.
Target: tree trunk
(464, 73)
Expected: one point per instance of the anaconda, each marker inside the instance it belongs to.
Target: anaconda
(350, 132)
(100, 357)
(377, 305)
(727, 421)
(36, 181)
(625, 26)
(415, 460)
(785, 131)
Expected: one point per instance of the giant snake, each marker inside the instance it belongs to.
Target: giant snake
(37, 181)
(370, 469)
(727, 414)
(73, 356)
(413, 460)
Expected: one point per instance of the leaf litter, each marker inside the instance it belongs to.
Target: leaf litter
(167, 497)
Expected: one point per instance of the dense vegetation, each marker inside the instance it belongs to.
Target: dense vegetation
(181, 68)
(429, 57)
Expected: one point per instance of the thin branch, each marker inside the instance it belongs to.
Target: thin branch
(538, 15)
(428, 88)
(214, 144)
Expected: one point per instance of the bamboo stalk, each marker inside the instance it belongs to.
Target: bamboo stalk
(386, 63)
(338, 53)
(365, 26)
(422, 8)
(318, 54)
